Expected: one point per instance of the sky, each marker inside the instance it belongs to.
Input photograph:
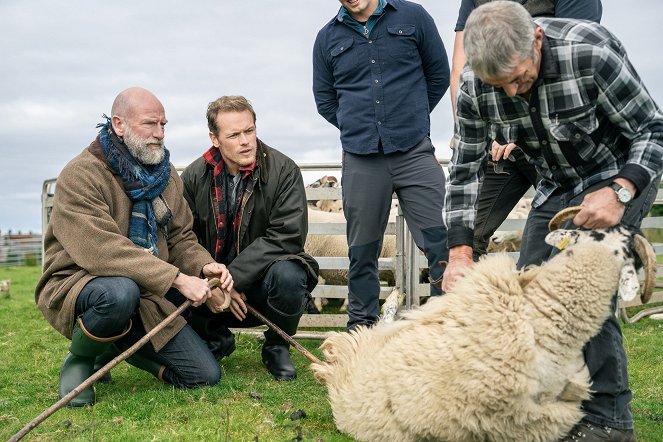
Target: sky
(64, 61)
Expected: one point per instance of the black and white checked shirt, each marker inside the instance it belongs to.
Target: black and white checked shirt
(588, 118)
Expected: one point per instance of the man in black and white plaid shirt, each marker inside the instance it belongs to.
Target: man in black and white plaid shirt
(564, 92)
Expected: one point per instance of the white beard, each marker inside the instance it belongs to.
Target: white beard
(140, 149)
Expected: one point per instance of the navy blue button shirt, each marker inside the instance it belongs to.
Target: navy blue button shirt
(380, 83)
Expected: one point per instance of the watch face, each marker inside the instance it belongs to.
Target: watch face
(624, 195)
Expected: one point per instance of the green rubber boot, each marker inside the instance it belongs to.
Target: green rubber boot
(100, 361)
(78, 365)
(153, 367)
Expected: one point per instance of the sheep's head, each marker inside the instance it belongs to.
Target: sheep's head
(505, 241)
(325, 181)
(622, 243)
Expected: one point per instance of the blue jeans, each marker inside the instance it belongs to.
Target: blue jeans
(281, 296)
(604, 354)
(105, 306)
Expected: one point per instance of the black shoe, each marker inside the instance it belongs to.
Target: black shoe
(277, 359)
(587, 432)
(221, 343)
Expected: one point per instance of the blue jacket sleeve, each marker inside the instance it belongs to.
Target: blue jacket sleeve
(323, 82)
(434, 61)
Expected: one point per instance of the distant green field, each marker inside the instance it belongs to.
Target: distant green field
(247, 405)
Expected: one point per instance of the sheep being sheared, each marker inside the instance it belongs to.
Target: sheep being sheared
(498, 358)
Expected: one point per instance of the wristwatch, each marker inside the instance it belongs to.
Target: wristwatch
(624, 196)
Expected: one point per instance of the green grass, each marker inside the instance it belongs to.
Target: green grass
(247, 405)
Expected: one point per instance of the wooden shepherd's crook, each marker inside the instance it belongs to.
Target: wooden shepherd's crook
(214, 282)
(282, 334)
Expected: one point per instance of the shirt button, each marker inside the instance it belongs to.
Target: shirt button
(377, 81)
(532, 109)
(400, 31)
(377, 101)
(553, 167)
(578, 136)
(370, 41)
(372, 61)
(379, 123)
(544, 142)
(342, 48)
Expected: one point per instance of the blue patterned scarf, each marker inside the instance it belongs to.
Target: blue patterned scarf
(143, 184)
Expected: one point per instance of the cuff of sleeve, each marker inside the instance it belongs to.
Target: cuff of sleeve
(460, 236)
(635, 174)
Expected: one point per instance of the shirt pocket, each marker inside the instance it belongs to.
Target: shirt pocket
(503, 133)
(343, 57)
(402, 43)
(575, 130)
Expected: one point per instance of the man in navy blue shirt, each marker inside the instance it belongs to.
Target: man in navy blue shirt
(379, 69)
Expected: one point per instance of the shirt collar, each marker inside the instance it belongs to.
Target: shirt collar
(344, 14)
(549, 68)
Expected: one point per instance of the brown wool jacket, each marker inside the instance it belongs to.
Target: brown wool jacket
(87, 237)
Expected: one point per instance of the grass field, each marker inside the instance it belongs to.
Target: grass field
(247, 405)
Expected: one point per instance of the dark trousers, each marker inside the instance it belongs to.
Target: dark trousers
(604, 354)
(105, 306)
(499, 194)
(281, 296)
(368, 182)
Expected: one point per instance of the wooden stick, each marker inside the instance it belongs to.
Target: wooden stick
(283, 334)
(105, 369)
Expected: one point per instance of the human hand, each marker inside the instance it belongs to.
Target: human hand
(216, 270)
(237, 304)
(218, 300)
(601, 208)
(460, 259)
(501, 151)
(195, 289)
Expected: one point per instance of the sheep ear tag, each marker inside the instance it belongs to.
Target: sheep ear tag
(558, 239)
(563, 243)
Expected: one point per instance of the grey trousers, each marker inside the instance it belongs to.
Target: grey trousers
(368, 182)
(604, 353)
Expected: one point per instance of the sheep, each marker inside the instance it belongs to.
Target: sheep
(337, 245)
(5, 285)
(326, 205)
(497, 358)
(509, 240)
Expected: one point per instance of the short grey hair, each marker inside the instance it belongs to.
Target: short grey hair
(497, 35)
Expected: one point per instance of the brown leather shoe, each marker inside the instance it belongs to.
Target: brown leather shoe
(587, 432)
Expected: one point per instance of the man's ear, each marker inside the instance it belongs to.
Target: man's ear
(538, 39)
(118, 125)
(214, 139)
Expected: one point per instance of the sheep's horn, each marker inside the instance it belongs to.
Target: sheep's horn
(648, 257)
(562, 216)
(642, 247)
